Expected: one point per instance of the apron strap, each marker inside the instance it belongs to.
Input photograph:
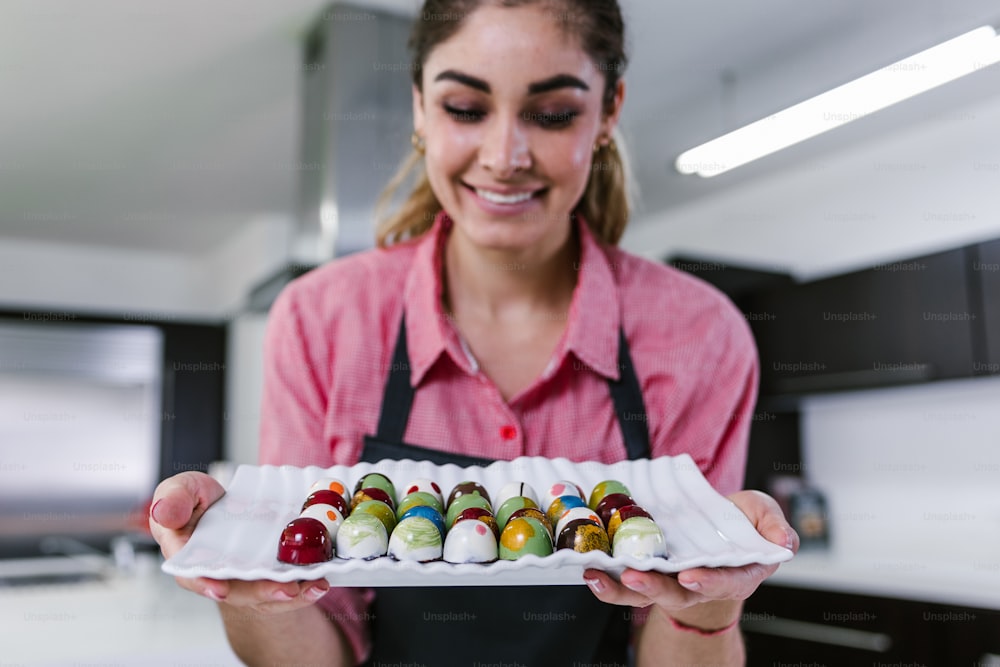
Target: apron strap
(626, 394)
(398, 395)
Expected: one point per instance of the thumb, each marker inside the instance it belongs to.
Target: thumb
(766, 516)
(179, 501)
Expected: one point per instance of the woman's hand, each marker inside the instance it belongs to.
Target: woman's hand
(698, 585)
(178, 504)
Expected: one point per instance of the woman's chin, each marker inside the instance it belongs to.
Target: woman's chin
(511, 234)
(500, 237)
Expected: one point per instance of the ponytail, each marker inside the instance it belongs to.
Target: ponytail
(415, 216)
(607, 199)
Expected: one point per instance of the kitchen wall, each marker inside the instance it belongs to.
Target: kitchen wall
(903, 192)
(244, 381)
(910, 473)
(113, 281)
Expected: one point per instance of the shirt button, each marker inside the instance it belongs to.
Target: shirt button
(508, 432)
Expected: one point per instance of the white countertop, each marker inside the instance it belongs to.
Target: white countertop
(146, 619)
(970, 584)
(141, 619)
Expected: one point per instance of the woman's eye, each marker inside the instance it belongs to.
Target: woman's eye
(552, 121)
(464, 115)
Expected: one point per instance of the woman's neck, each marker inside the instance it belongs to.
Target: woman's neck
(504, 287)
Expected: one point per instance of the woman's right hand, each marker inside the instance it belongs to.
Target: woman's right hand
(178, 504)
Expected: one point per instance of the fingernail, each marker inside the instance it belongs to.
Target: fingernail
(595, 585)
(690, 585)
(152, 510)
(638, 586)
(282, 596)
(315, 593)
(789, 539)
(212, 593)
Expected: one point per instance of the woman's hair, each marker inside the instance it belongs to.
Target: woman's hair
(599, 26)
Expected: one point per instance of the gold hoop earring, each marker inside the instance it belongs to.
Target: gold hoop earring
(609, 144)
(418, 143)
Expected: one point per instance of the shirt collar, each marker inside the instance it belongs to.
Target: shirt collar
(594, 313)
(427, 326)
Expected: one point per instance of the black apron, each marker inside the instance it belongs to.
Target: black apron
(528, 626)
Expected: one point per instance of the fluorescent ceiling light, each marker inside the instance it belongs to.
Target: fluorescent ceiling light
(882, 88)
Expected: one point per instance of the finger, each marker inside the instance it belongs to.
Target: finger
(179, 501)
(766, 516)
(178, 504)
(265, 596)
(211, 588)
(662, 589)
(274, 597)
(608, 590)
(725, 583)
(254, 593)
(640, 589)
(170, 541)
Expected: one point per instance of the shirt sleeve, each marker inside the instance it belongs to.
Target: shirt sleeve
(729, 396)
(714, 422)
(711, 408)
(293, 412)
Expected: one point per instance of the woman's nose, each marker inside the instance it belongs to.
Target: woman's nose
(505, 148)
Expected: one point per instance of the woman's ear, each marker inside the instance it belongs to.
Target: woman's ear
(418, 111)
(610, 120)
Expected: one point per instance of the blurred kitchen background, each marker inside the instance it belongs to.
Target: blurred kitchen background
(165, 168)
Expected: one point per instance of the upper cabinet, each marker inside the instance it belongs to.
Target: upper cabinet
(903, 322)
(985, 272)
(927, 318)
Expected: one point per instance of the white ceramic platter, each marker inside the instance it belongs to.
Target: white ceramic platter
(237, 538)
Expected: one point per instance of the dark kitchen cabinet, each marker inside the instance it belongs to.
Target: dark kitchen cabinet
(891, 324)
(194, 366)
(985, 270)
(785, 625)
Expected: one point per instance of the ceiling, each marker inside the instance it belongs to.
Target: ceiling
(169, 126)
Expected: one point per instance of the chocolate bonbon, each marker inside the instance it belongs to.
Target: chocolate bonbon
(304, 541)
(524, 536)
(362, 536)
(416, 538)
(418, 526)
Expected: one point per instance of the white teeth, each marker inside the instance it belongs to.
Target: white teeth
(504, 199)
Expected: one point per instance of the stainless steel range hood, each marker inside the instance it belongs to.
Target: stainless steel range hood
(356, 125)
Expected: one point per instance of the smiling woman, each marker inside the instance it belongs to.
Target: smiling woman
(498, 319)
(592, 34)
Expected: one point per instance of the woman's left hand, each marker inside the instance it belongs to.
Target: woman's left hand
(704, 584)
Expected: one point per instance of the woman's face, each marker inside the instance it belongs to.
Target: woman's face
(510, 112)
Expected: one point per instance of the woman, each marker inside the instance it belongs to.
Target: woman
(498, 320)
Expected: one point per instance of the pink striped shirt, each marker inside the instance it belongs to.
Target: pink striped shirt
(329, 347)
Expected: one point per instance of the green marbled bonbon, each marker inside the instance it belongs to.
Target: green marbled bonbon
(638, 537)
(361, 536)
(418, 498)
(418, 533)
(379, 510)
(606, 488)
(523, 536)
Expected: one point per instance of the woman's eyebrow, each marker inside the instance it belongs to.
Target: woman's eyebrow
(545, 86)
(556, 82)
